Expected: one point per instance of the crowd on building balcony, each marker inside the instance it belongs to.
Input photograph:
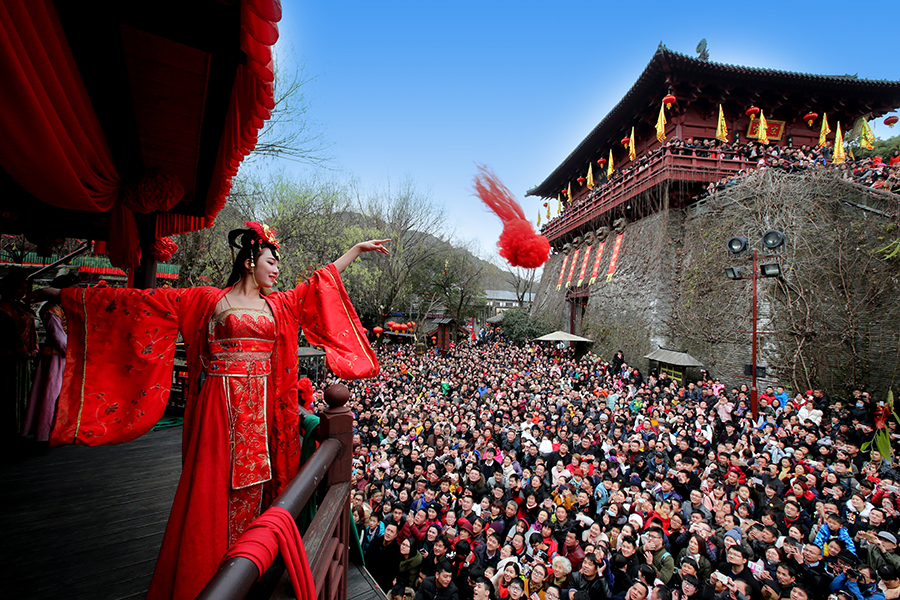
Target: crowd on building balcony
(504, 471)
(877, 172)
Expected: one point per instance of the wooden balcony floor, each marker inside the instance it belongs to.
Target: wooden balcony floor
(85, 523)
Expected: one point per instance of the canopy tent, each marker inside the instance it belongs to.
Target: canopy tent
(681, 359)
(126, 121)
(673, 363)
(562, 336)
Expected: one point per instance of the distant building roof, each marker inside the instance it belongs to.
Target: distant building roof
(505, 295)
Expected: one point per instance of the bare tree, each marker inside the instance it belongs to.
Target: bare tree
(289, 133)
(522, 281)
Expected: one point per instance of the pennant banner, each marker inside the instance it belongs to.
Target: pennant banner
(614, 258)
(587, 254)
(661, 124)
(824, 131)
(590, 177)
(562, 271)
(631, 153)
(610, 169)
(558, 207)
(548, 210)
(763, 129)
(597, 263)
(866, 136)
(539, 218)
(572, 267)
(721, 128)
(839, 155)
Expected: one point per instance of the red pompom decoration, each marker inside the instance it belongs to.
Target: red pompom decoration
(305, 389)
(163, 249)
(519, 244)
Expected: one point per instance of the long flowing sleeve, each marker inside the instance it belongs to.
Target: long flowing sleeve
(322, 307)
(121, 347)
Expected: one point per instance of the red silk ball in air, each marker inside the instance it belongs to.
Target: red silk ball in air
(519, 244)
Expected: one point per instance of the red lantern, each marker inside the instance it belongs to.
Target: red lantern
(890, 121)
(810, 117)
(601, 161)
(377, 331)
(669, 100)
(365, 331)
(545, 205)
(580, 180)
(564, 192)
(752, 112)
(626, 141)
(413, 323)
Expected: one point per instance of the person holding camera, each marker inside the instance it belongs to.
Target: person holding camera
(862, 582)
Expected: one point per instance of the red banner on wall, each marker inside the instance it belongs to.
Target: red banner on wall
(597, 263)
(572, 268)
(774, 129)
(562, 271)
(615, 257)
(584, 263)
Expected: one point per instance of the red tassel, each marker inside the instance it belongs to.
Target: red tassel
(519, 244)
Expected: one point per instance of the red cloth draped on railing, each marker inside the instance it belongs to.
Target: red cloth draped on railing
(272, 531)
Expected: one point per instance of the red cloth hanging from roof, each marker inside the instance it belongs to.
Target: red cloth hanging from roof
(46, 116)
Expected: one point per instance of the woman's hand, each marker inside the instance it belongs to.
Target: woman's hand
(374, 246)
(371, 246)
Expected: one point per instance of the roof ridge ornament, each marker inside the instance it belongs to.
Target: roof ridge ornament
(702, 51)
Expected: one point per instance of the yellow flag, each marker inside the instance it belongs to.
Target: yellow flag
(548, 210)
(631, 152)
(539, 217)
(570, 192)
(763, 129)
(558, 205)
(850, 152)
(610, 169)
(590, 177)
(661, 124)
(824, 131)
(839, 156)
(721, 128)
(866, 136)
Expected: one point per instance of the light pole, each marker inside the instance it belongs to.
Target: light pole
(772, 240)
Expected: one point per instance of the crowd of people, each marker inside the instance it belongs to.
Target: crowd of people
(500, 471)
(876, 172)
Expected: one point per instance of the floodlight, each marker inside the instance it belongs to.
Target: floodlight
(734, 273)
(736, 245)
(773, 240)
(770, 270)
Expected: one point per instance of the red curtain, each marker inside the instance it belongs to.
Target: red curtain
(52, 143)
(252, 98)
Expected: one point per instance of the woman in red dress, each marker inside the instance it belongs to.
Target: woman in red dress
(241, 442)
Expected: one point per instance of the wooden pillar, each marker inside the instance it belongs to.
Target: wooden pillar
(143, 276)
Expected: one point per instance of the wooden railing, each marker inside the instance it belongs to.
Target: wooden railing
(690, 166)
(326, 473)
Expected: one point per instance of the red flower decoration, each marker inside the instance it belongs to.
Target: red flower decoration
(305, 390)
(163, 249)
(265, 233)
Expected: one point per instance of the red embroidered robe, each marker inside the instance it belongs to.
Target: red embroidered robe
(116, 386)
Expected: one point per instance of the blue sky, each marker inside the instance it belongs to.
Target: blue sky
(429, 89)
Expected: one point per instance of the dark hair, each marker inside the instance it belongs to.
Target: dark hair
(249, 247)
(444, 566)
(518, 583)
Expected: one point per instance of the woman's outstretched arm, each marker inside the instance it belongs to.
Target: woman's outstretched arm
(371, 246)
